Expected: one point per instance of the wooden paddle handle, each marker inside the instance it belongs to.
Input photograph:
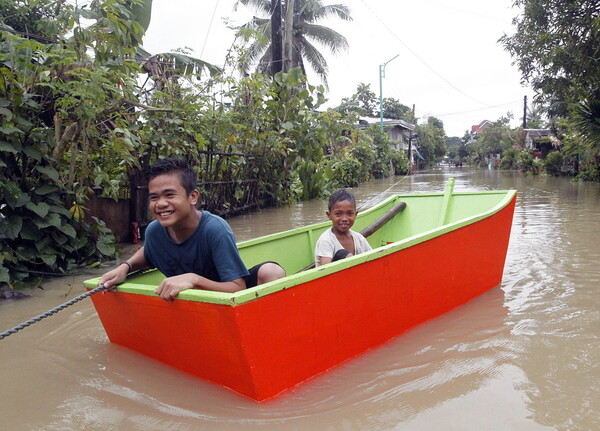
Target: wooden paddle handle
(368, 231)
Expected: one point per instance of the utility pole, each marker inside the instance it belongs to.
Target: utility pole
(381, 75)
(410, 138)
(276, 43)
(525, 112)
(288, 36)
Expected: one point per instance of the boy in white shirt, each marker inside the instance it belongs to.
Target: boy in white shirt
(342, 213)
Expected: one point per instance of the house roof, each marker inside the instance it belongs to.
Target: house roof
(477, 127)
(386, 122)
(538, 133)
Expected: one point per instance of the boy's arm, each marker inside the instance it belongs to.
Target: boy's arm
(322, 260)
(170, 287)
(117, 275)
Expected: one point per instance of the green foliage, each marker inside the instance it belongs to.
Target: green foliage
(383, 153)
(362, 103)
(496, 138)
(362, 150)
(555, 45)
(431, 141)
(526, 163)
(509, 159)
(40, 236)
(587, 122)
(345, 173)
(553, 163)
(392, 108)
(400, 162)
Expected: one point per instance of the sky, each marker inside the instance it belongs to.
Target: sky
(449, 62)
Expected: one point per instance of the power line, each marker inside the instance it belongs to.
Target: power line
(209, 27)
(420, 59)
(478, 109)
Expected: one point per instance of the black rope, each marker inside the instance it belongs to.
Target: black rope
(61, 307)
(50, 312)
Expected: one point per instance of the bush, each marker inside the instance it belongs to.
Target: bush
(509, 159)
(524, 161)
(553, 163)
(400, 162)
(363, 151)
(346, 173)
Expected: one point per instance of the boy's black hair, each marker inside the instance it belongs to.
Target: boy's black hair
(187, 176)
(339, 196)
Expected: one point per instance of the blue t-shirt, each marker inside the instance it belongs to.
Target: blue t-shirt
(210, 251)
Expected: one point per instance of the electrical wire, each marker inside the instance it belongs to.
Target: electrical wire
(420, 59)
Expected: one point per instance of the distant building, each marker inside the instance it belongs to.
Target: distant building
(476, 129)
(399, 131)
(540, 141)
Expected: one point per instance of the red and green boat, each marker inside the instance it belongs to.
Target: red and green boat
(441, 251)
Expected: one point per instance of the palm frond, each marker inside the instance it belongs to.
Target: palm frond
(316, 60)
(262, 6)
(587, 121)
(326, 36)
(325, 11)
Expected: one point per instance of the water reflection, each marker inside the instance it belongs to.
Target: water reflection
(521, 357)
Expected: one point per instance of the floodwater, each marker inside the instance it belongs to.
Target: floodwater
(523, 356)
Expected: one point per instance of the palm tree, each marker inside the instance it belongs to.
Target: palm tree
(305, 30)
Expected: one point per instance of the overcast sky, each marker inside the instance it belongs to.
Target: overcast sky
(449, 65)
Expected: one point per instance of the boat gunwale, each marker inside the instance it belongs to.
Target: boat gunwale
(290, 281)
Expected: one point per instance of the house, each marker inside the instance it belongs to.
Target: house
(540, 141)
(478, 128)
(475, 129)
(399, 132)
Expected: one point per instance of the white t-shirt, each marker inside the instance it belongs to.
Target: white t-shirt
(328, 244)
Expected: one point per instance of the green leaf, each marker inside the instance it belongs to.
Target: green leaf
(11, 226)
(29, 231)
(33, 153)
(59, 238)
(8, 147)
(49, 259)
(8, 130)
(45, 189)
(7, 113)
(4, 275)
(52, 219)
(142, 12)
(40, 209)
(60, 210)
(49, 171)
(105, 248)
(15, 198)
(68, 230)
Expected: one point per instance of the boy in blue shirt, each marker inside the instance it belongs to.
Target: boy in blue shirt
(194, 249)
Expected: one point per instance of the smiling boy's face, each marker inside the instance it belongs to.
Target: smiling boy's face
(168, 200)
(342, 216)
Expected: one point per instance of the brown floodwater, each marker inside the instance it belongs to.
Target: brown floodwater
(523, 356)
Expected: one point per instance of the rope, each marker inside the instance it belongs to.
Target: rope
(49, 312)
(368, 203)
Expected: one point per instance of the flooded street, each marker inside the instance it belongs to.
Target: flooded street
(523, 356)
